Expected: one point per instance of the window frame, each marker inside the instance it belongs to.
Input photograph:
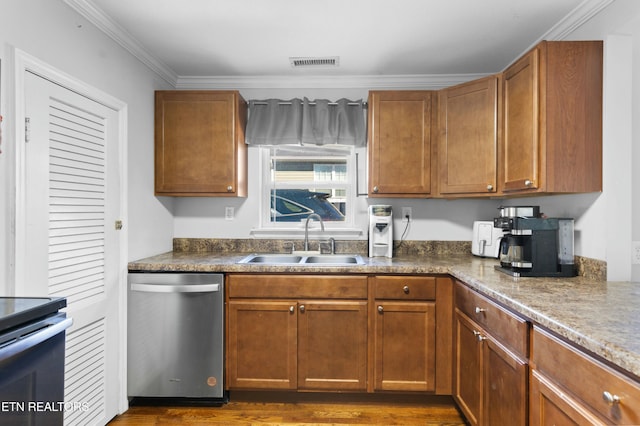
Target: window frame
(266, 153)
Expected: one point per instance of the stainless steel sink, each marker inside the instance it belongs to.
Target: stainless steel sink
(272, 259)
(307, 260)
(347, 259)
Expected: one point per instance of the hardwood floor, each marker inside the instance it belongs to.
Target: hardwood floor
(302, 410)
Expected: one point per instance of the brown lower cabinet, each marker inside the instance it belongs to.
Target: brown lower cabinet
(332, 345)
(434, 335)
(404, 322)
(262, 344)
(490, 361)
(569, 387)
(339, 333)
(297, 332)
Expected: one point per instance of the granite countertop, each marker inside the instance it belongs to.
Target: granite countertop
(599, 316)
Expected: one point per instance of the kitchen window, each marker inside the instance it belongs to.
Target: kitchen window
(300, 180)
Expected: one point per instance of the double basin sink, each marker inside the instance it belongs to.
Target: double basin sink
(304, 259)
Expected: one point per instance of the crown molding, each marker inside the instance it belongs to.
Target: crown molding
(103, 22)
(578, 16)
(389, 82)
(574, 20)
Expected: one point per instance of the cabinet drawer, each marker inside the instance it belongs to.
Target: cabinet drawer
(297, 286)
(405, 288)
(587, 379)
(504, 325)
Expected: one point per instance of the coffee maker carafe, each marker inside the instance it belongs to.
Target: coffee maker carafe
(534, 246)
(380, 231)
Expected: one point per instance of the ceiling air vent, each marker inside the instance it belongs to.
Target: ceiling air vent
(315, 62)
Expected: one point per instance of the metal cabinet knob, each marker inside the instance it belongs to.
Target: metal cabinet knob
(302, 308)
(380, 309)
(479, 336)
(480, 310)
(489, 187)
(292, 309)
(229, 188)
(375, 189)
(405, 289)
(528, 182)
(610, 399)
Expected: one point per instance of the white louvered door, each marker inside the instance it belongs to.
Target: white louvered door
(72, 182)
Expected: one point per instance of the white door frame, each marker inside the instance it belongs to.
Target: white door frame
(24, 62)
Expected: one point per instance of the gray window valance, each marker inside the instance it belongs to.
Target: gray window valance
(301, 121)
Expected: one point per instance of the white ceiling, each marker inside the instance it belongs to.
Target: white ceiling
(244, 38)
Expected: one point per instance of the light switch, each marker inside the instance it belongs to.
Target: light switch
(229, 213)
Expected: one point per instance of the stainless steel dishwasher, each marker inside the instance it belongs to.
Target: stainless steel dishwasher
(175, 336)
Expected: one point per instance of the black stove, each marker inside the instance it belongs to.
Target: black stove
(32, 349)
(18, 311)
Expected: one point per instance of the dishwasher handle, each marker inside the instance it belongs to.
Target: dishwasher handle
(159, 288)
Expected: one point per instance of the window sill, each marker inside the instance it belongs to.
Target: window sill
(315, 233)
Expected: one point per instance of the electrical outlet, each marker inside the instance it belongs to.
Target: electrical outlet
(229, 213)
(635, 253)
(407, 215)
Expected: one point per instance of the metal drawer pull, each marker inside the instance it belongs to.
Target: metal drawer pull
(405, 289)
(610, 399)
(480, 310)
(380, 309)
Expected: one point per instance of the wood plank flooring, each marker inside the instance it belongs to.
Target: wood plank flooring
(436, 411)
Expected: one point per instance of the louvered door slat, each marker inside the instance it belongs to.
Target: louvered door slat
(85, 286)
(84, 371)
(73, 246)
(64, 166)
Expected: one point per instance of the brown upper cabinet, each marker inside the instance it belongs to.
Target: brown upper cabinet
(199, 143)
(400, 143)
(553, 120)
(468, 138)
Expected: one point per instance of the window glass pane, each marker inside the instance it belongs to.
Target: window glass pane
(306, 181)
(294, 205)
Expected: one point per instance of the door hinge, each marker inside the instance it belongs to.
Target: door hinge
(118, 225)
(27, 129)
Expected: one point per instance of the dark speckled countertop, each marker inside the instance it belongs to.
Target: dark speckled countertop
(601, 317)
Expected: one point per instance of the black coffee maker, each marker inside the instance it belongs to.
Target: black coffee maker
(535, 246)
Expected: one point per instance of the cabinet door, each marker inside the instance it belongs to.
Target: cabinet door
(199, 143)
(400, 143)
(490, 381)
(521, 117)
(332, 345)
(468, 144)
(468, 368)
(405, 346)
(262, 345)
(505, 385)
(551, 406)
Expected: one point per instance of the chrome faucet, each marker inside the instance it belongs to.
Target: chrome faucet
(306, 229)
